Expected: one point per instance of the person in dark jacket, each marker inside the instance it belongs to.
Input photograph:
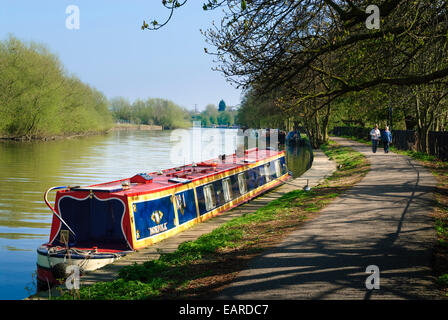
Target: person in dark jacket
(387, 139)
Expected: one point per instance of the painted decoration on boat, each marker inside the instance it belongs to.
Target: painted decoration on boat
(186, 206)
(95, 221)
(153, 217)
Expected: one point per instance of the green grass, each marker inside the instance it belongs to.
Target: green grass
(176, 270)
(346, 158)
(443, 280)
(442, 228)
(415, 154)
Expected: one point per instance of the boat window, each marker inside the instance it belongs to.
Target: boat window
(267, 171)
(242, 183)
(278, 168)
(180, 203)
(209, 195)
(227, 187)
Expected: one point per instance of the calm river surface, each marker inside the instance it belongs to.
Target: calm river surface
(28, 169)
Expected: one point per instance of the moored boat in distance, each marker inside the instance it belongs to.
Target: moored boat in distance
(295, 138)
(95, 225)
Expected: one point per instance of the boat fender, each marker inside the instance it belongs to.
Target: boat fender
(59, 271)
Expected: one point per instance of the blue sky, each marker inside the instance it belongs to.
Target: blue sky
(111, 52)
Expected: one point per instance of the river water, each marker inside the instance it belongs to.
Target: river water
(27, 169)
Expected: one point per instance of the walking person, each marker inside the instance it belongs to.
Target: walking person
(375, 134)
(387, 139)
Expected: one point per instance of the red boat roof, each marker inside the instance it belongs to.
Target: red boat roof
(157, 181)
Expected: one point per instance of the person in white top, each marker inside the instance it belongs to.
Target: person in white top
(375, 134)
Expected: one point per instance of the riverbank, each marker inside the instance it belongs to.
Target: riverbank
(116, 127)
(209, 260)
(52, 137)
(128, 126)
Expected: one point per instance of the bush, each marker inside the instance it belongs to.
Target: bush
(160, 112)
(39, 99)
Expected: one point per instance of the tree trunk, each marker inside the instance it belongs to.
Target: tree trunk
(325, 124)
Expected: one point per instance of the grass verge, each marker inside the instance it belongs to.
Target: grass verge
(201, 268)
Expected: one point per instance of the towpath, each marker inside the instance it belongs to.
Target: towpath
(383, 221)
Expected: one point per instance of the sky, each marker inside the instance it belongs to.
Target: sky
(110, 52)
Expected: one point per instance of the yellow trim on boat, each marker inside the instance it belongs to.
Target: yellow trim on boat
(138, 244)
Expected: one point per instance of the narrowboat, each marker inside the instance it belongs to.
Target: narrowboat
(95, 225)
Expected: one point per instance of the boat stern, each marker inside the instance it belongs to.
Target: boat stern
(53, 261)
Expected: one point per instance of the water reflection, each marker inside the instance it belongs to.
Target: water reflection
(299, 158)
(28, 169)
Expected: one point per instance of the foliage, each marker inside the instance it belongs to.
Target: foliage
(443, 280)
(326, 66)
(212, 116)
(324, 47)
(261, 112)
(222, 106)
(167, 114)
(160, 112)
(38, 98)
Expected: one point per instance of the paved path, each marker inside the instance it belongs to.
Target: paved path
(383, 221)
(321, 168)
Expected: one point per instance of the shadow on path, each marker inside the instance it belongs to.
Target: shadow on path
(383, 220)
